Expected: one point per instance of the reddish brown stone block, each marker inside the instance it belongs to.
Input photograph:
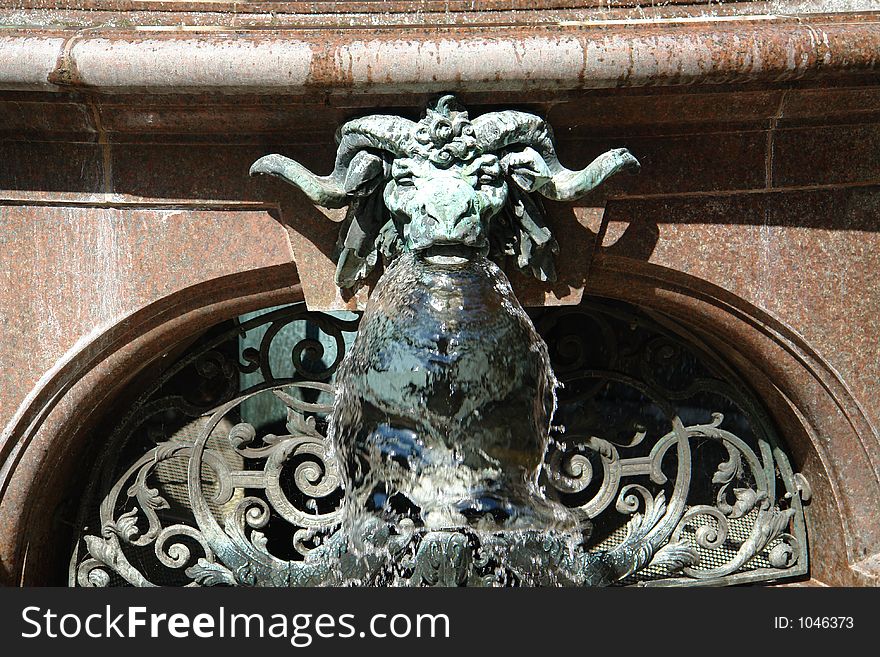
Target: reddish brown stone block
(22, 116)
(67, 273)
(826, 155)
(217, 116)
(621, 112)
(808, 259)
(679, 163)
(51, 167)
(827, 103)
(214, 172)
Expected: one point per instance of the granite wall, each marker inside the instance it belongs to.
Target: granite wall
(128, 224)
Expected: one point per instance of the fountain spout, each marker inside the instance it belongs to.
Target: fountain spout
(444, 402)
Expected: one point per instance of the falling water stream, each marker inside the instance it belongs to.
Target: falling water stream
(444, 403)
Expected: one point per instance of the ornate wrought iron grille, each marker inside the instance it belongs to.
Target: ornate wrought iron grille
(230, 442)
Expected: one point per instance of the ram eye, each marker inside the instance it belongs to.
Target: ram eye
(490, 171)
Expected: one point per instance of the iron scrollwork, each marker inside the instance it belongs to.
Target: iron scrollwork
(693, 504)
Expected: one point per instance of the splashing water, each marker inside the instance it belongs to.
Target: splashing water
(444, 404)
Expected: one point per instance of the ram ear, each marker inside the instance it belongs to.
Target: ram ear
(526, 168)
(356, 247)
(365, 173)
(535, 246)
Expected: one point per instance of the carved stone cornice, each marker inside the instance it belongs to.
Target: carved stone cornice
(527, 56)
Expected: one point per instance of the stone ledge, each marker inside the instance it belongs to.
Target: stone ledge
(586, 55)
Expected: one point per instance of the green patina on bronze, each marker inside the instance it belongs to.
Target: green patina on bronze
(446, 397)
(444, 403)
(445, 181)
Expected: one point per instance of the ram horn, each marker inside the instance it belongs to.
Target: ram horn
(379, 132)
(498, 130)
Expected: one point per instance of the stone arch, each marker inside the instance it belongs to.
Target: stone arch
(830, 439)
(51, 432)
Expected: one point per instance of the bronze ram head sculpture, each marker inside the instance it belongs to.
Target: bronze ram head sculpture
(444, 402)
(443, 183)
